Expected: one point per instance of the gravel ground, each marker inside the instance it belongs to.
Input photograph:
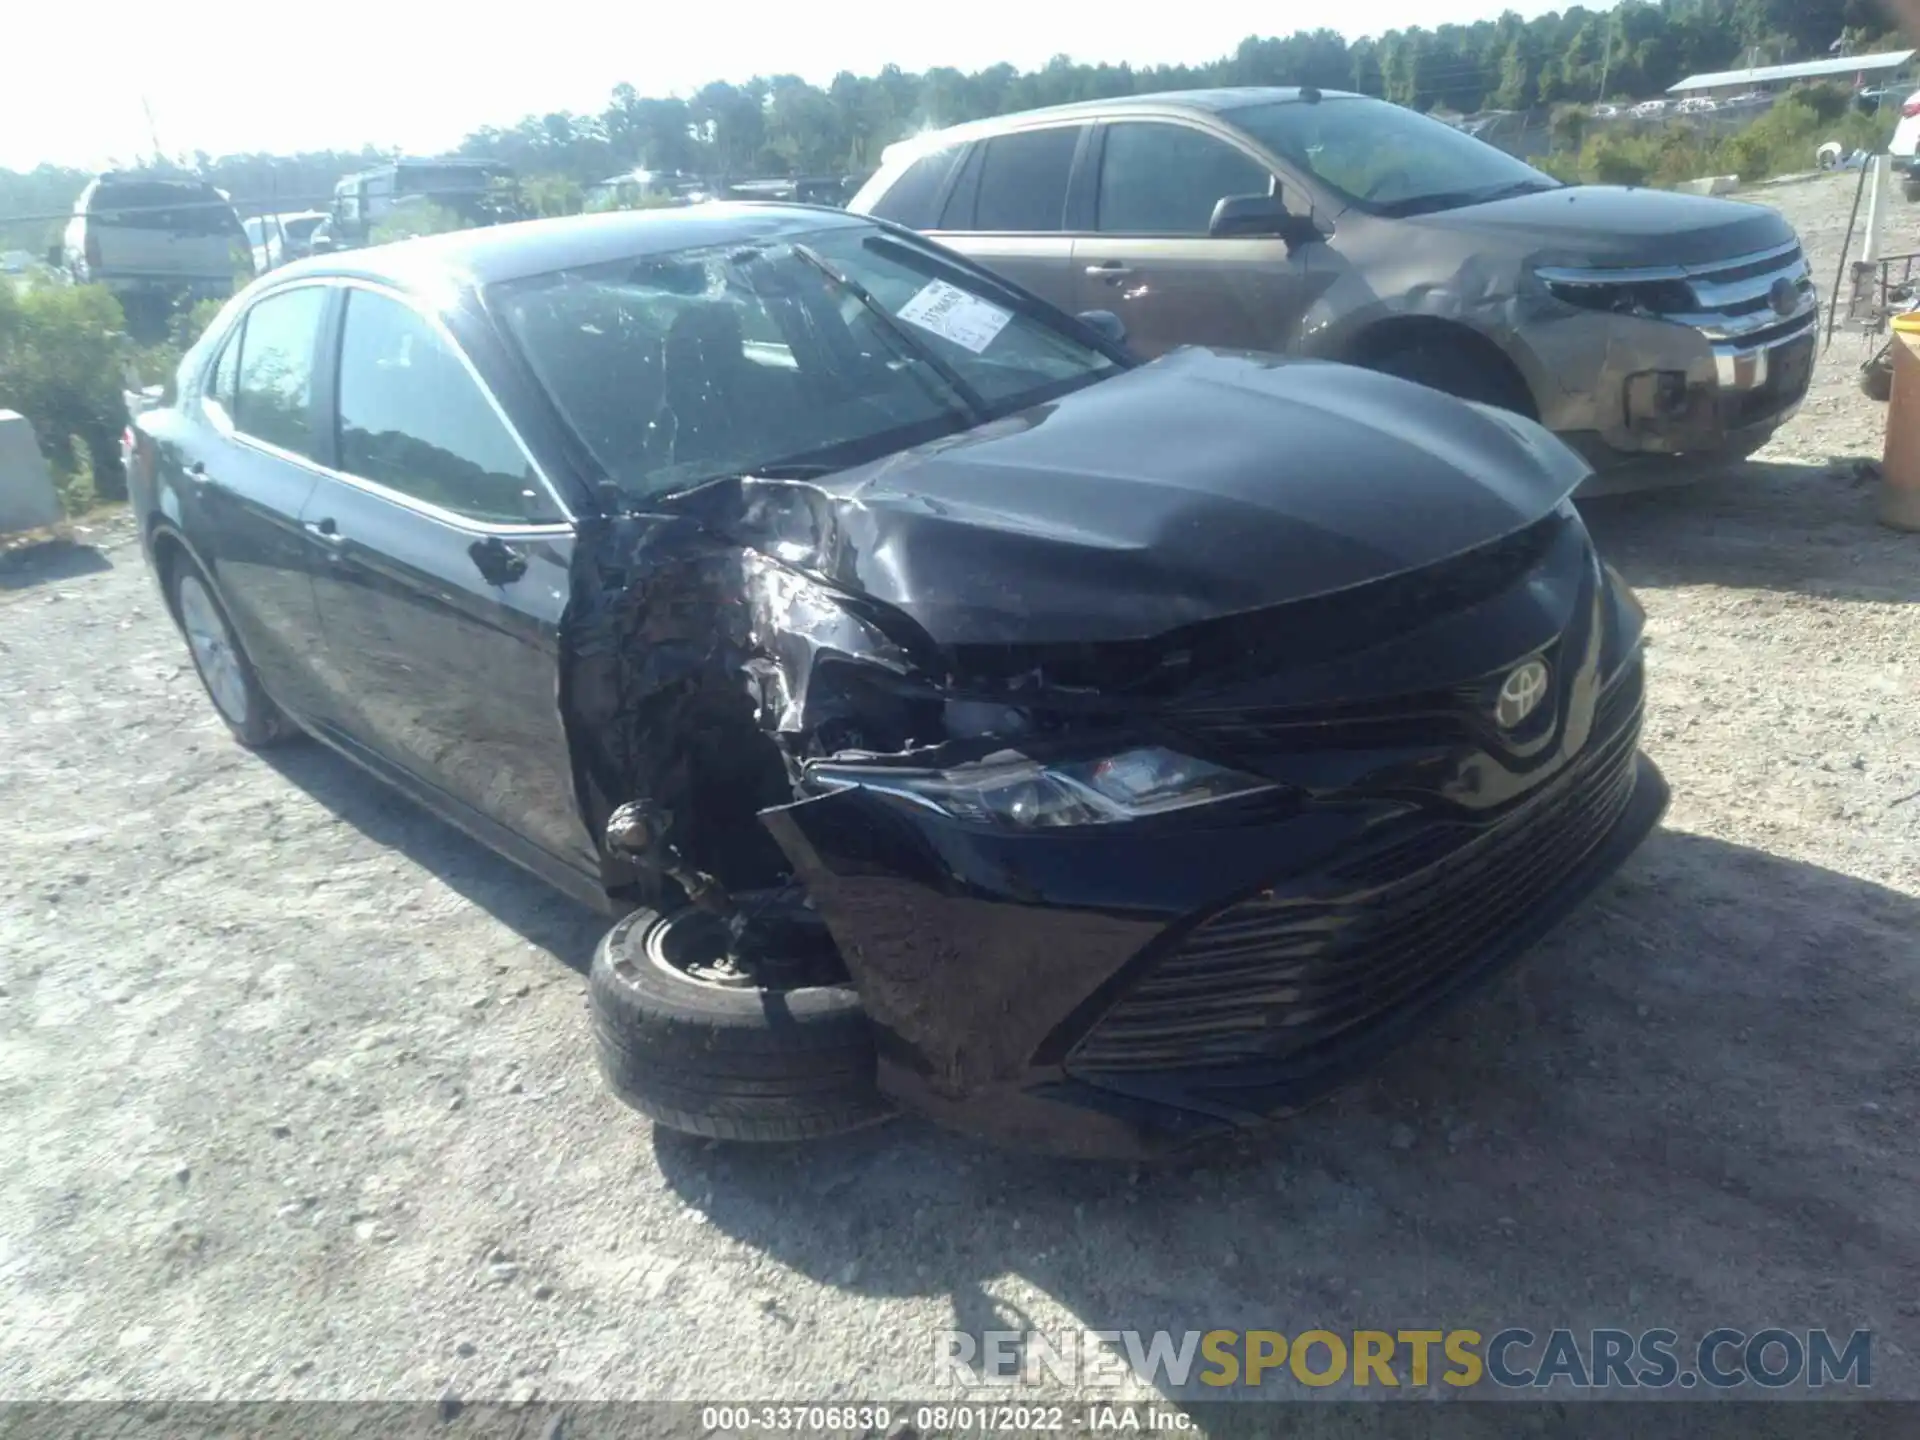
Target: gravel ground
(296, 1100)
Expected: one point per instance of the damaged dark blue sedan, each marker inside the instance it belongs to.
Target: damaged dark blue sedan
(957, 714)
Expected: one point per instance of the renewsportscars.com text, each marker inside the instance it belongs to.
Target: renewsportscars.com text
(1513, 1359)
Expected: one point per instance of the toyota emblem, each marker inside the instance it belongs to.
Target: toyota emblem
(1521, 693)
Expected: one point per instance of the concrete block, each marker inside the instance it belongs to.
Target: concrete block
(1710, 185)
(28, 500)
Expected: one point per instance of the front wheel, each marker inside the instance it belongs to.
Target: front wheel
(695, 1045)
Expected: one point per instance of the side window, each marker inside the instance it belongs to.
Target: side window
(1166, 179)
(412, 418)
(1023, 180)
(220, 380)
(909, 200)
(274, 393)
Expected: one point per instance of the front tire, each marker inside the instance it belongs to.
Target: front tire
(220, 660)
(725, 1059)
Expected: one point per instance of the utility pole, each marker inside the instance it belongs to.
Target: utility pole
(1606, 55)
(153, 131)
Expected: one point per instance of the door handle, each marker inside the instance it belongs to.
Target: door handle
(498, 562)
(1109, 270)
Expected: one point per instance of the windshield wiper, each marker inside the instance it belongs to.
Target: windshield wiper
(1518, 187)
(1460, 199)
(972, 400)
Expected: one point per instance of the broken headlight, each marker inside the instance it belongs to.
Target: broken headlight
(1648, 294)
(1021, 794)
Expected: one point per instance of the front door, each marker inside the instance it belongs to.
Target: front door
(1150, 260)
(448, 577)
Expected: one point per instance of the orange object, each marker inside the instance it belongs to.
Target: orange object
(1900, 462)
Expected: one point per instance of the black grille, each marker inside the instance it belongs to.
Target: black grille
(1267, 980)
(1438, 718)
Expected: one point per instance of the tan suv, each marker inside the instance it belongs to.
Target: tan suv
(1658, 333)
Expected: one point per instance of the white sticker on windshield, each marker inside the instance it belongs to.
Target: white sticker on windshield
(953, 314)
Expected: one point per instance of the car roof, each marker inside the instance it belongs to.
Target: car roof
(494, 253)
(1163, 102)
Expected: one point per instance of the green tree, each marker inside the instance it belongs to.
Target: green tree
(63, 349)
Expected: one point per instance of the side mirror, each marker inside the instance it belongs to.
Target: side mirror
(1104, 323)
(1242, 216)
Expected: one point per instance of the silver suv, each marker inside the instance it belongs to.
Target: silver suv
(1659, 334)
(157, 237)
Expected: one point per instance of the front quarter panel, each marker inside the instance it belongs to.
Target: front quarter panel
(1376, 278)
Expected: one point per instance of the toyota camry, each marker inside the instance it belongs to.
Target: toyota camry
(949, 711)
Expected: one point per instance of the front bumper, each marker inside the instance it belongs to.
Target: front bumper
(1734, 398)
(1725, 363)
(1129, 991)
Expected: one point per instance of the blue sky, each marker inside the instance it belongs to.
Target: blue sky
(314, 74)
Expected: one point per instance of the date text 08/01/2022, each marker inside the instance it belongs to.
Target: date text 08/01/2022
(937, 1419)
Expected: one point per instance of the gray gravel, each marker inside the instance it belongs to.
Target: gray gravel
(295, 1098)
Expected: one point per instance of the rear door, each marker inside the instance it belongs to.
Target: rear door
(1148, 257)
(242, 471)
(447, 578)
(1007, 208)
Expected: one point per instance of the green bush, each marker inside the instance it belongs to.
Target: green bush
(1824, 102)
(63, 349)
(628, 196)
(1781, 141)
(412, 220)
(73, 480)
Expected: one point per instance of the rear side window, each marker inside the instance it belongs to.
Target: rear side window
(1023, 181)
(1165, 179)
(413, 418)
(156, 205)
(274, 399)
(910, 199)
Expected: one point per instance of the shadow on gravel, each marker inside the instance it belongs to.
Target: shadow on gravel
(530, 907)
(1763, 526)
(1694, 1106)
(49, 561)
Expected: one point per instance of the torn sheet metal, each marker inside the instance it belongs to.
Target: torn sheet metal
(752, 624)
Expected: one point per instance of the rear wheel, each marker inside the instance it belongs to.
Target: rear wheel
(1456, 369)
(695, 1044)
(1910, 187)
(223, 667)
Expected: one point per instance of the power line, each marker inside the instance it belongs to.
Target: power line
(275, 205)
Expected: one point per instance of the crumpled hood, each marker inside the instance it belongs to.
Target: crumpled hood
(1616, 225)
(1206, 484)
